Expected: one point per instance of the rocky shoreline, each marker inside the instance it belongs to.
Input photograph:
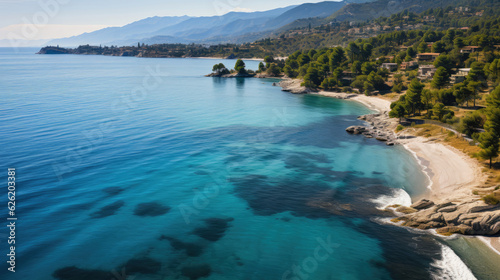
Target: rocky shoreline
(457, 212)
(471, 217)
(378, 129)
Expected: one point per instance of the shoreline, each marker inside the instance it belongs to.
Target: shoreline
(452, 175)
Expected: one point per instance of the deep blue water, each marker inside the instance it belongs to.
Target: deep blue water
(145, 167)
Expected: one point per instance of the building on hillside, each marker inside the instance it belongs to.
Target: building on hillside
(456, 78)
(390, 66)
(429, 19)
(408, 65)
(426, 72)
(348, 76)
(460, 76)
(425, 57)
(470, 49)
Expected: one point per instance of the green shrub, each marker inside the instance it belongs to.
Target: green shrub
(491, 199)
(400, 127)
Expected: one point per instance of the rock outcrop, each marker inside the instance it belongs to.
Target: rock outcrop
(378, 129)
(293, 86)
(232, 75)
(473, 217)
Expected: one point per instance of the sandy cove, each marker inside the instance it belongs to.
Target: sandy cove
(453, 174)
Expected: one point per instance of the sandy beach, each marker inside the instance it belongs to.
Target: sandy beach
(453, 174)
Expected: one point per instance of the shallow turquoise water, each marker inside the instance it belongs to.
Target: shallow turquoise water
(241, 180)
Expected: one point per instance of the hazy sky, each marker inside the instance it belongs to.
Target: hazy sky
(61, 18)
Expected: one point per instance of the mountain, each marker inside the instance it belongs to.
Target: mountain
(320, 10)
(363, 10)
(385, 8)
(234, 27)
(119, 33)
(167, 27)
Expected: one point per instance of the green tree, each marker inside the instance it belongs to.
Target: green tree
(438, 111)
(438, 47)
(303, 59)
(459, 42)
(443, 60)
(269, 59)
(290, 72)
(274, 70)
(462, 93)
(328, 83)
(376, 80)
(240, 67)
(493, 99)
(368, 87)
(367, 68)
(427, 98)
(422, 47)
(323, 59)
(494, 69)
(337, 58)
(312, 78)
(474, 87)
(413, 96)
(440, 78)
(489, 144)
(492, 123)
(220, 69)
(470, 122)
(411, 52)
(398, 111)
(356, 67)
(354, 51)
(262, 68)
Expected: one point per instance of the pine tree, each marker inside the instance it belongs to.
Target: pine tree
(440, 78)
(489, 144)
(413, 96)
(240, 67)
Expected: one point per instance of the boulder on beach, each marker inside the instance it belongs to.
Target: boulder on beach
(473, 217)
(422, 204)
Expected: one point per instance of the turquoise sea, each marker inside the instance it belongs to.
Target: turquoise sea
(145, 168)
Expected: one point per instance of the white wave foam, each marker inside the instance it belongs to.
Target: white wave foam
(425, 169)
(451, 267)
(398, 196)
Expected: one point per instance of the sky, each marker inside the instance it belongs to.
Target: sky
(47, 19)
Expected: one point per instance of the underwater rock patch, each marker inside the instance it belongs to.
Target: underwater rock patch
(151, 209)
(113, 190)
(196, 271)
(108, 210)
(75, 273)
(142, 265)
(214, 230)
(191, 249)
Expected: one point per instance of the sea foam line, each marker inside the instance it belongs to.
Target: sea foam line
(451, 267)
(399, 196)
(425, 169)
